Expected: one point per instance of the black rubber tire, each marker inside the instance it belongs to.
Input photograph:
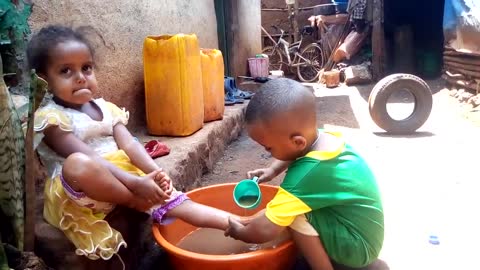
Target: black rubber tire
(377, 103)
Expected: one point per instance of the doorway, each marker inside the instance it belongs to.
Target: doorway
(414, 37)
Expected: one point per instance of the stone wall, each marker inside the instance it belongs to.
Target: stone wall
(118, 29)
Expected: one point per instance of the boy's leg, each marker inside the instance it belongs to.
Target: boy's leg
(200, 215)
(95, 181)
(312, 249)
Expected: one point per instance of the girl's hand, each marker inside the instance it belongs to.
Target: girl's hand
(264, 175)
(164, 182)
(147, 189)
(234, 228)
(140, 205)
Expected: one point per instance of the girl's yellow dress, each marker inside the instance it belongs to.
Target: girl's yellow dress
(79, 217)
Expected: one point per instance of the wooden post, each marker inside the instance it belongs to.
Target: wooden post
(378, 40)
(296, 35)
(290, 18)
(292, 6)
(268, 35)
(243, 33)
(30, 192)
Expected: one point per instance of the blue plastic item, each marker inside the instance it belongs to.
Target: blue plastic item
(232, 90)
(433, 239)
(341, 7)
(247, 194)
(230, 97)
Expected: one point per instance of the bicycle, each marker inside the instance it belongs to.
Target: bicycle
(309, 61)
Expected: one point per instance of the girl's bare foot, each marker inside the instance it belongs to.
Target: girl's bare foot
(164, 182)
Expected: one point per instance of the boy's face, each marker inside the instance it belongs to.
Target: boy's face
(280, 143)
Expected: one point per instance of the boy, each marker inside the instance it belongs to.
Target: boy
(329, 199)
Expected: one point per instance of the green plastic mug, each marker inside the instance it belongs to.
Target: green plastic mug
(247, 194)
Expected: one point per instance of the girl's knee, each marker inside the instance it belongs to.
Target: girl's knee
(77, 165)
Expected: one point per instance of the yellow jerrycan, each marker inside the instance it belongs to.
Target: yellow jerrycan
(173, 85)
(213, 85)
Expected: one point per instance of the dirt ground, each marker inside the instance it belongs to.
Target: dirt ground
(428, 180)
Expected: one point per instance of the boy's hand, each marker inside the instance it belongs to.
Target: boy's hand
(234, 228)
(244, 220)
(164, 182)
(264, 175)
(146, 188)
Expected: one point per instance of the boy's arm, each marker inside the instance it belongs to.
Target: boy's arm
(279, 166)
(267, 174)
(259, 230)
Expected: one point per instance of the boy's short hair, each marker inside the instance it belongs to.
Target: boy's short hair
(276, 96)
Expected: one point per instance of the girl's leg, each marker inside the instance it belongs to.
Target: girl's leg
(96, 181)
(312, 249)
(200, 215)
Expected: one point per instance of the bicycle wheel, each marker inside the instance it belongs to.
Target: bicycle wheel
(309, 69)
(275, 58)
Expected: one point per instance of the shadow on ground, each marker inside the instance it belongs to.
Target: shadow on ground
(420, 134)
(365, 90)
(301, 264)
(435, 86)
(336, 110)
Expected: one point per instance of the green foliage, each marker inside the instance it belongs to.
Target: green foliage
(13, 22)
(14, 31)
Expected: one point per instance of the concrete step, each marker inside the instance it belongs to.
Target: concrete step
(190, 157)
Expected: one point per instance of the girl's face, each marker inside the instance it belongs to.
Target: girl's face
(70, 74)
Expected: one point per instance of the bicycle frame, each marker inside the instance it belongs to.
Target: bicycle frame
(286, 47)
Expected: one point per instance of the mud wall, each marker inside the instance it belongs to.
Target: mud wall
(118, 29)
(280, 17)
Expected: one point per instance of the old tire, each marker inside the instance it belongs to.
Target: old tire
(385, 88)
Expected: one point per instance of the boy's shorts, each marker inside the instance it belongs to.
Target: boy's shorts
(341, 245)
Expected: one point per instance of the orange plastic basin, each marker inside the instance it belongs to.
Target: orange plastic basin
(220, 196)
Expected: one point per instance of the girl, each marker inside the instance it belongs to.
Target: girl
(93, 162)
